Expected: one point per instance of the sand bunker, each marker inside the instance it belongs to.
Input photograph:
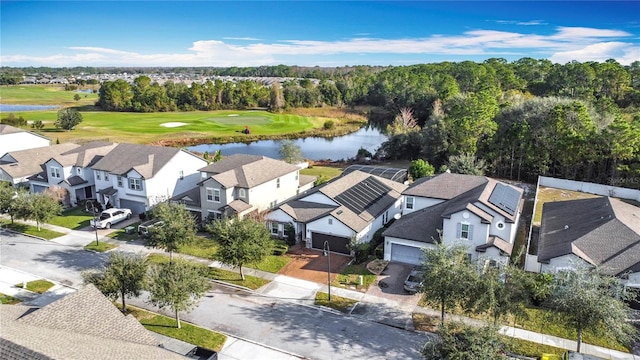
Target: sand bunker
(233, 115)
(173, 124)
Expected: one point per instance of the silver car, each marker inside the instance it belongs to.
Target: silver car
(414, 280)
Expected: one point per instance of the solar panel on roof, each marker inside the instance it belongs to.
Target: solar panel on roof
(361, 196)
(505, 198)
(395, 174)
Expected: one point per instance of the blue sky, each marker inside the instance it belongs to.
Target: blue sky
(308, 33)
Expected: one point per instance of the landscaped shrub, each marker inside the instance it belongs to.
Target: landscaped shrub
(361, 252)
(377, 239)
(290, 234)
(379, 252)
(329, 125)
(279, 248)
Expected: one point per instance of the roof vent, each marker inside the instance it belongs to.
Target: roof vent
(339, 212)
(566, 227)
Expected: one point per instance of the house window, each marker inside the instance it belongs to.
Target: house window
(465, 231)
(330, 221)
(98, 176)
(78, 171)
(242, 193)
(273, 204)
(385, 217)
(215, 215)
(500, 225)
(181, 175)
(274, 228)
(135, 184)
(296, 175)
(119, 181)
(278, 183)
(209, 194)
(106, 175)
(216, 195)
(203, 175)
(55, 172)
(409, 204)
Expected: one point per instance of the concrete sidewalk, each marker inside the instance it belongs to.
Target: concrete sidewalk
(303, 292)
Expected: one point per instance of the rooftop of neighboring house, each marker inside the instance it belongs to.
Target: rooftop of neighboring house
(360, 199)
(247, 171)
(603, 231)
(81, 325)
(8, 129)
(28, 162)
(147, 160)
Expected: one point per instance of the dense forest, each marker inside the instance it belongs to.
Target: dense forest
(523, 118)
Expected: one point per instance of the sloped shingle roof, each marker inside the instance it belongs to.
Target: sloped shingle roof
(147, 160)
(603, 231)
(247, 171)
(29, 162)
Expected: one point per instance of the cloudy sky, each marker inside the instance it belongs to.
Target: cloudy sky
(313, 33)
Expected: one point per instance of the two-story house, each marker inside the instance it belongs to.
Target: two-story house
(72, 172)
(475, 211)
(17, 167)
(241, 184)
(137, 176)
(16, 139)
(349, 208)
(599, 232)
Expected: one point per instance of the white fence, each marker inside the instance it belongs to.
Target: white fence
(591, 188)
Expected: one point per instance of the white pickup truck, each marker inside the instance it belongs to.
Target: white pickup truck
(110, 217)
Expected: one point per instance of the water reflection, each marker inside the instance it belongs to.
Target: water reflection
(313, 148)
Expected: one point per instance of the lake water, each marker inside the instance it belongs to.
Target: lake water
(17, 107)
(313, 148)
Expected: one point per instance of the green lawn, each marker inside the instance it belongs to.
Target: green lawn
(327, 172)
(272, 263)
(198, 126)
(350, 277)
(231, 277)
(201, 246)
(100, 247)
(31, 230)
(38, 286)
(551, 194)
(8, 300)
(75, 218)
(122, 235)
(188, 332)
(338, 303)
(44, 95)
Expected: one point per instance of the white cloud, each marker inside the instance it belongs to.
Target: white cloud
(572, 43)
(241, 38)
(522, 23)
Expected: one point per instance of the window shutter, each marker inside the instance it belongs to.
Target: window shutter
(459, 231)
(470, 232)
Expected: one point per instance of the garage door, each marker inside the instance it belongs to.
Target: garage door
(336, 243)
(135, 207)
(406, 254)
(39, 189)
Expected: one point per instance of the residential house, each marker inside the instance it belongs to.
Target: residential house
(478, 212)
(81, 325)
(15, 139)
(17, 167)
(351, 207)
(241, 184)
(72, 172)
(137, 176)
(601, 232)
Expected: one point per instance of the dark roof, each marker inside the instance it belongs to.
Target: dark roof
(305, 211)
(497, 242)
(445, 186)
(108, 191)
(75, 180)
(190, 197)
(395, 174)
(422, 225)
(603, 231)
(147, 160)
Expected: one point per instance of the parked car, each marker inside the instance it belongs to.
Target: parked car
(111, 216)
(143, 229)
(414, 280)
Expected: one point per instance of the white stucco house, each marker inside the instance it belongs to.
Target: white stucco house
(601, 233)
(16, 167)
(72, 171)
(137, 176)
(475, 211)
(352, 206)
(241, 184)
(15, 139)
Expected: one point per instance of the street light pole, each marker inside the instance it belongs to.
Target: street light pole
(327, 252)
(95, 220)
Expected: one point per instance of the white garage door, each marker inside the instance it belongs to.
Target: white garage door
(406, 254)
(135, 207)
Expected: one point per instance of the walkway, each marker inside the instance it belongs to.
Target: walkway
(303, 292)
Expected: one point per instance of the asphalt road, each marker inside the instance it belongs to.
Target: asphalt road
(302, 330)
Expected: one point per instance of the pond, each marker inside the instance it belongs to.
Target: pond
(17, 107)
(313, 148)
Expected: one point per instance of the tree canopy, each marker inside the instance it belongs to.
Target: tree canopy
(68, 119)
(178, 227)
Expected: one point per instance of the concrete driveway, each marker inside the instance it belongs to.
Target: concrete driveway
(386, 301)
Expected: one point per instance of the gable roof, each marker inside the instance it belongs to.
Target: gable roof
(247, 171)
(29, 162)
(82, 325)
(603, 231)
(85, 155)
(8, 129)
(361, 198)
(147, 160)
(445, 186)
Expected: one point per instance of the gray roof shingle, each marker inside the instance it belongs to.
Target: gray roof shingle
(147, 160)
(29, 162)
(247, 171)
(603, 231)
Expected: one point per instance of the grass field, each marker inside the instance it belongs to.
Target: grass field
(546, 194)
(44, 95)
